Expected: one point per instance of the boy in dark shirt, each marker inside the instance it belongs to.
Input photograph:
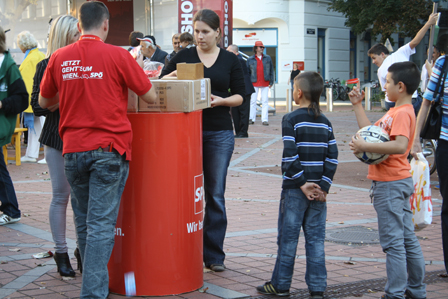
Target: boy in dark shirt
(309, 163)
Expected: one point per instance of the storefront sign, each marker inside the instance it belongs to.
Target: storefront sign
(121, 21)
(311, 31)
(224, 9)
(248, 37)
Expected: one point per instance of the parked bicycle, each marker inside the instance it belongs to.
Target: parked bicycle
(339, 91)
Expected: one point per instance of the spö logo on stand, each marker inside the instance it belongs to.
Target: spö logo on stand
(199, 195)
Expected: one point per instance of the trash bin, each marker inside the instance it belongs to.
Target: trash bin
(158, 236)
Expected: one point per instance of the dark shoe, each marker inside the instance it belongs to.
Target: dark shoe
(268, 289)
(265, 123)
(217, 267)
(241, 135)
(407, 295)
(317, 295)
(444, 275)
(63, 263)
(251, 122)
(78, 259)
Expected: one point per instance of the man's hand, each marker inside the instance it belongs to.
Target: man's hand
(356, 96)
(432, 20)
(416, 148)
(312, 191)
(322, 197)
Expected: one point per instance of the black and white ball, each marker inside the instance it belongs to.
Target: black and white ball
(373, 134)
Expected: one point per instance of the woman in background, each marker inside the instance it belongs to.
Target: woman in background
(28, 45)
(63, 32)
(225, 73)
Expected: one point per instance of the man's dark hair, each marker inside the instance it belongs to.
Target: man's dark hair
(406, 72)
(378, 49)
(311, 84)
(133, 41)
(152, 38)
(92, 14)
(186, 37)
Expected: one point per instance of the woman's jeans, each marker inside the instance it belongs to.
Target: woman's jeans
(296, 212)
(405, 265)
(442, 171)
(59, 201)
(217, 150)
(8, 197)
(97, 179)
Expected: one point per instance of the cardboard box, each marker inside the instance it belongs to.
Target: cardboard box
(179, 96)
(190, 71)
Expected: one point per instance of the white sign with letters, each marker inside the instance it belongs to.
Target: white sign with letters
(248, 37)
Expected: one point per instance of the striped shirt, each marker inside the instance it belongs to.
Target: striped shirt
(432, 84)
(310, 152)
(50, 131)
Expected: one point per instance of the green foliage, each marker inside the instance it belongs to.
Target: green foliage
(384, 16)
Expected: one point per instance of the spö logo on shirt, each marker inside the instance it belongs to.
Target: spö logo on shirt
(3, 87)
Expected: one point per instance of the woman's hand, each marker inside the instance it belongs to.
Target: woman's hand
(54, 107)
(172, 74)
(216, 101)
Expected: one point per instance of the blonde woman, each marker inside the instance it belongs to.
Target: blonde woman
(63, 32)
(28, 45)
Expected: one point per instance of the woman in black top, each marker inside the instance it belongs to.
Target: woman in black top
(225, 73)
(63, 32)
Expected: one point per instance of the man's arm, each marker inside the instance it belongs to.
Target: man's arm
(421, 33)
(47, 102)
(416, 145)
(150, 97)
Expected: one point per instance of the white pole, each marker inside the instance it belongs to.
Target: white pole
(368, 102)
(330, 99)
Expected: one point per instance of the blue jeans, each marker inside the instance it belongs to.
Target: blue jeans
(442, 171)
(97, 180)
(217, 150)
(405, 265)
(296, 212)
(8, 197)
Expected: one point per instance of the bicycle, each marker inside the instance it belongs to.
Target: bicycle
(339, 91)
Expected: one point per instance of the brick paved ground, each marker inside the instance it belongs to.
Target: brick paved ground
(253, 188)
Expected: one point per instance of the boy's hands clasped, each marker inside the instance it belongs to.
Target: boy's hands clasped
(313, 191)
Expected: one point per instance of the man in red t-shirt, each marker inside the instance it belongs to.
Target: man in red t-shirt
(89, 80)
(261, 72)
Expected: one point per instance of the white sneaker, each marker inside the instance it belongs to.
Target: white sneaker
(5, 219)
(26, 159)
(43, 161)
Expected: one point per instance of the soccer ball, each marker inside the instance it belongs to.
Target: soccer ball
(373, 134)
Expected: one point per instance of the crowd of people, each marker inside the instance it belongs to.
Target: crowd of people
(88, 152)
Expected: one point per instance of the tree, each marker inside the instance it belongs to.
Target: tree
(13, 11)
(384, 16)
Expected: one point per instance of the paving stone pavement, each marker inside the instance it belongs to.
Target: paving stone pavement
(252, 197)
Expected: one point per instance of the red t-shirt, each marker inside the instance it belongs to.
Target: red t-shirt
(398, 121)
(260, 73)
(92, 79)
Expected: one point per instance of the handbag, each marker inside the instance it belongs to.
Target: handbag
(420, 200)
(433, 123)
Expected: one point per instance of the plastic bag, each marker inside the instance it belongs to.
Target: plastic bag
(152, 68)
(421, 203)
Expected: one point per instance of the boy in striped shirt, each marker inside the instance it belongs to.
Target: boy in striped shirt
(309, 163)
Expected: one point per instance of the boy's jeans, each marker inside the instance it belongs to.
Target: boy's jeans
(297, 211)
(405, 265)
(97, 180)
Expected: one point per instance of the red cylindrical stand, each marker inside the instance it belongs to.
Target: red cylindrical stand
(158, 235)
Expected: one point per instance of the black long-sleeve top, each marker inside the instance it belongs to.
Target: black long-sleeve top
(310, 152)
(226, 73)
(50, 131)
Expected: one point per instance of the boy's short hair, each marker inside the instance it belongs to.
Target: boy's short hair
(312, 85)
(378, 49)
(133, 41)
(186, 37)
(406, 72)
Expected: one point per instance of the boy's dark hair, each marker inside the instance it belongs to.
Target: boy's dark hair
(186, 37)
(378, 49)
(406, 72)
(92, 14)
(133, 41)
(311, 84)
